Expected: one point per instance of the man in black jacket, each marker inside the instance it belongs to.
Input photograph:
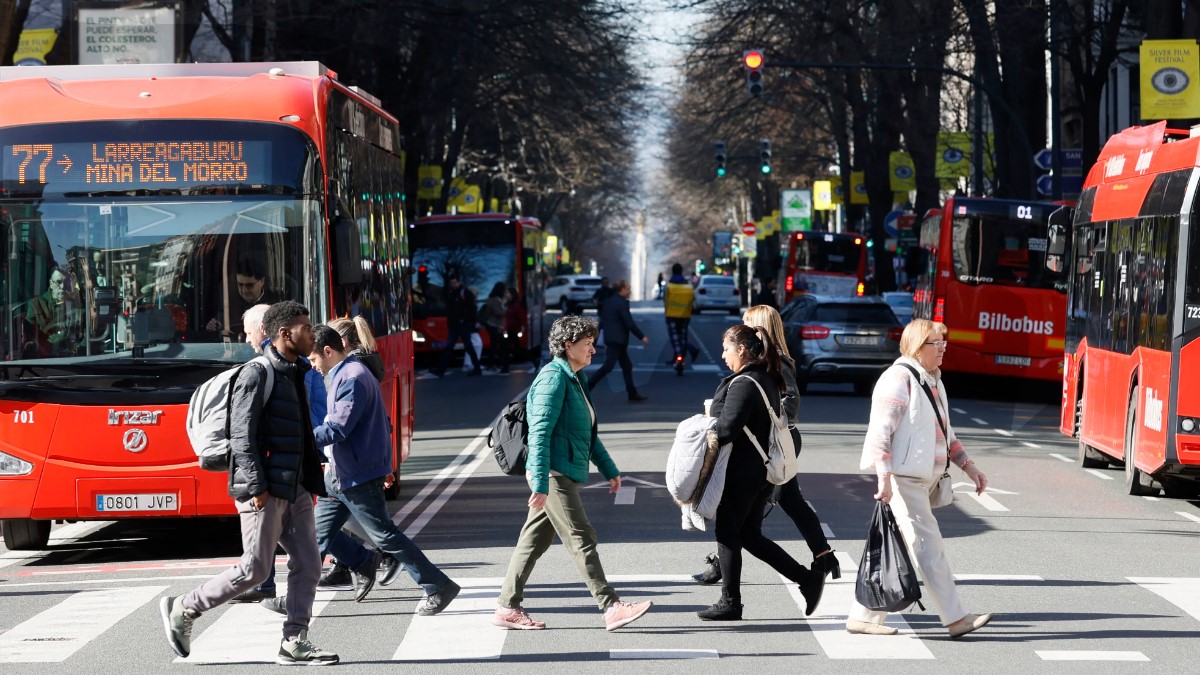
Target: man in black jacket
(462, 314)
(617, 323)
(274, 472)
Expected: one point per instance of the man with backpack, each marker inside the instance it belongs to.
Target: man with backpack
(678, 302)
(274, 471)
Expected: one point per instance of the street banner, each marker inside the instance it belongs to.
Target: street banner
(858, 188)
(953, 154)
(33, 46)
(902, 173)
(429, 181)
(760, 231)
(823, 195)
(148, 33)
(470, 201)
(550, 249)
(1170, 70)
(797, 210)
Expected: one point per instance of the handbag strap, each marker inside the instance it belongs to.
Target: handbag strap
(767, 403)
(936, 410)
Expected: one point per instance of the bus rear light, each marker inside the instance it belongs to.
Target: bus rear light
(860, 290)
(895, 333)
(939, 311)
(814, 332)
(14, 466)
(790, 283)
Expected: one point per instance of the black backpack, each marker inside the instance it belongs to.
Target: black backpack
(509, 439)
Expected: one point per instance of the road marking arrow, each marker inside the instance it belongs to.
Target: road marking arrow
(628, 493)
(985, 500)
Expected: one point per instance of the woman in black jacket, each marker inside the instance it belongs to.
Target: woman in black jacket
(738, 404)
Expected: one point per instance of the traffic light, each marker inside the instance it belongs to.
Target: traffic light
(422, 276)
(764, 154)
(752, 63)
(719, 150)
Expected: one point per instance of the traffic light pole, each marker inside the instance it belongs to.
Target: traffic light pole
(976, 82)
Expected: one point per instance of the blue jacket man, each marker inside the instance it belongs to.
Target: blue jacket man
(617, 323)
(356, 430)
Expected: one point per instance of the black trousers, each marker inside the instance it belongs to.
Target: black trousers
(739, 526)
(791, 500)
(461, 331)
(615, 353)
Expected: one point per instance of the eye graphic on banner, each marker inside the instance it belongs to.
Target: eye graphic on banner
(1169, 81)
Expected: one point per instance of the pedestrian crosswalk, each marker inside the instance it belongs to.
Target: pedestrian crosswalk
(56, 629)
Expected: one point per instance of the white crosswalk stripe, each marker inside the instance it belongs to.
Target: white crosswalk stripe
(55, 634)
(463, 632)
(1182, 592)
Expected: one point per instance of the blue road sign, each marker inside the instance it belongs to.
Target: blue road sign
(1071, 184)
(1072, 158)
(889, 223)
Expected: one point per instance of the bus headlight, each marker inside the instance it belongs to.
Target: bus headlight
(418, 336)
(1187, 425)
(13, 466)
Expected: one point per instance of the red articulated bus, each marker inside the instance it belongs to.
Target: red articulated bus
(143, 208)
(483, 250)
(825, 263)
(1132, 354)
(980, 269)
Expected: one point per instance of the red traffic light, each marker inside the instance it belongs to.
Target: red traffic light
(422, 269)
(752, 59)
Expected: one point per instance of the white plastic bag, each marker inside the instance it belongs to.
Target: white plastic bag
(477, 344)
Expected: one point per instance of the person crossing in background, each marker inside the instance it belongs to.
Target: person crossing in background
(617, 323)
(678, 301)
(356, 431)
(274, 472)
(563, 441)
(788, 495)
(461, 315)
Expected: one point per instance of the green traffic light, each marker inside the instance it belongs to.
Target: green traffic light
(766, 168)
(720, 171)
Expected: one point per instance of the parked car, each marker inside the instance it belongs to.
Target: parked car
(901, 303)
(715, 291)
(572, 292)
(841, 339)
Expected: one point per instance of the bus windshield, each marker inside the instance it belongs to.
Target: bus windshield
(480, 254)
(92, 279)
(831, 254)
(990, 249)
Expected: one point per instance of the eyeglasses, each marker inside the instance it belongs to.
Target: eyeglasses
(940, 344)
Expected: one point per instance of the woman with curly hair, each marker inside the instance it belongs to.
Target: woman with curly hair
(562, 442)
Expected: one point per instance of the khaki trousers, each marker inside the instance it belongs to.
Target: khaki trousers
(564, 514)
(923, 539)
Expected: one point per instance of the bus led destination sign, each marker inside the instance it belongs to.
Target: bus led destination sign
(135, 165)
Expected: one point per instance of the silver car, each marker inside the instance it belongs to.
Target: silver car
(841, 339)
(716, 291)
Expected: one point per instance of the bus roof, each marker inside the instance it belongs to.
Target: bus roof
(1130, 164)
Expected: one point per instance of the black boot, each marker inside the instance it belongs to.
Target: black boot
(711, 574)
(812, 588)
(827, 563)
(724, 610)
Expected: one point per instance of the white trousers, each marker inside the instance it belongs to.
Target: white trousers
(919, 529)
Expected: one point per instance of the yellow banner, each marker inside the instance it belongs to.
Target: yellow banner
(902, 173)
(858, 188)
(34, 45)
(429, 181)
(822, 195)
(953, 154)
(470, 201)
(1169, 70)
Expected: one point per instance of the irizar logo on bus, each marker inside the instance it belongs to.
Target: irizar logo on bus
(1154, 410)
(1014, 324)
(132, 417)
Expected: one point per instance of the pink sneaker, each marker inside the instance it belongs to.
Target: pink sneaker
(515, 619)
(624, 613)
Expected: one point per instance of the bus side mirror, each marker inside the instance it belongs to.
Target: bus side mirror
(916, 261)
(528, 259)
(1058, 236)
(347, 252)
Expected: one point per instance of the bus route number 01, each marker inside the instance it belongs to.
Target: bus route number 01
(1023, 212)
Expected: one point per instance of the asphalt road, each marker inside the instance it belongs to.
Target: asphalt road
(1081, 577)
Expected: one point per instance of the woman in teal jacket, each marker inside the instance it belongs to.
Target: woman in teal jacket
(562, 442)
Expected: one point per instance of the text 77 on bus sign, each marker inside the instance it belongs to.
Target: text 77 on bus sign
(749, 229)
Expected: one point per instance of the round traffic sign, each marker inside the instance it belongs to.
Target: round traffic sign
(749, 229)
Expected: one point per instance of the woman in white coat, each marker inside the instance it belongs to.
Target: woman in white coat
(907, 448)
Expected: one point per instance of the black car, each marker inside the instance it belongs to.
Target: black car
(841, 339)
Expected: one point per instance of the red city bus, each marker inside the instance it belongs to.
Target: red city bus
(143, 208)
(483, 249)
(825, 263)
(1133, 268)
(980, 269)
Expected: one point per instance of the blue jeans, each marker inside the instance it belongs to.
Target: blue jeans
(368, 505)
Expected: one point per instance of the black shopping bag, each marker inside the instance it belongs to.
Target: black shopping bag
(887, 580)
